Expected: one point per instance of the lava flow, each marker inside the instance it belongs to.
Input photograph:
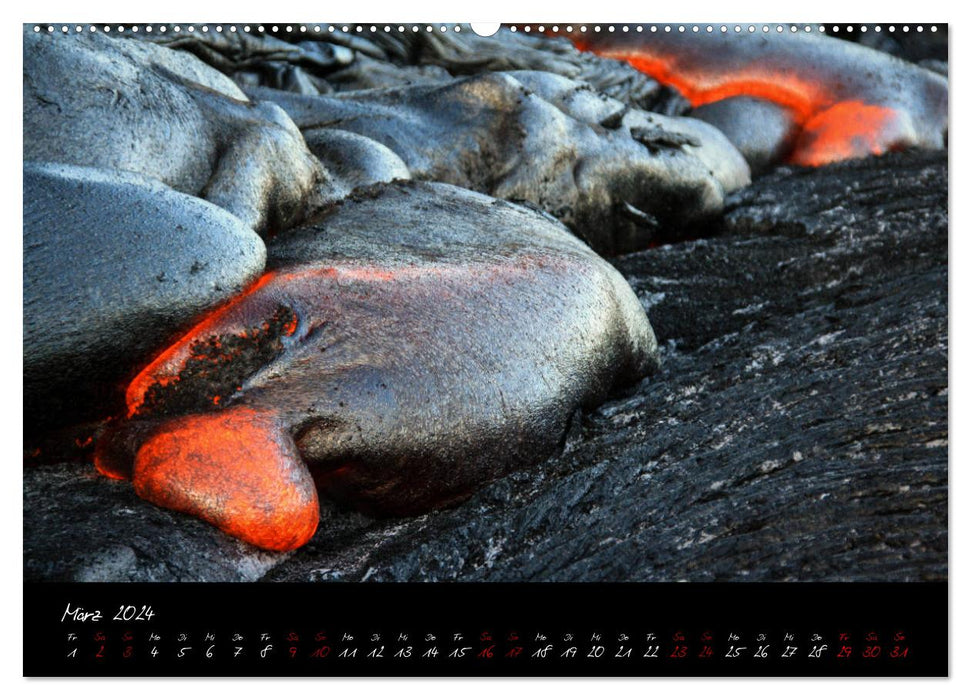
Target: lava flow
(845, 100)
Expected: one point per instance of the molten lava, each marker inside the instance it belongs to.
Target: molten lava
(846, 101)
(801, 96)
(844, 131)
(237, 469)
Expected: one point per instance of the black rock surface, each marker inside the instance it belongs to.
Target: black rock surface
(796, 431)
(81, 526)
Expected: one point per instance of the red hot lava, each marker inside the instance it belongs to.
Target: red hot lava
(846, 101)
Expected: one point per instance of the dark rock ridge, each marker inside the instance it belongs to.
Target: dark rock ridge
(115, 265)
(616, 176)
(796, 431)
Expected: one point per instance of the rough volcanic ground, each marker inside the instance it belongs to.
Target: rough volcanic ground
(797, 429)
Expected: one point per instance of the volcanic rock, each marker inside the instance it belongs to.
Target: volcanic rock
(614, 175)
(762, 131)
(79, 526)
(467, 53)
(129, 105)
(355, 160)
(325, 62)
(416, 341)
(367, 73)
(255, 58)
(115, 264)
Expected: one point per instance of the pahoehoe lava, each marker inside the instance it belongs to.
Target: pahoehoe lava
(431, 339)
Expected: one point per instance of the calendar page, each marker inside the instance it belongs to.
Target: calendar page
(445, 349)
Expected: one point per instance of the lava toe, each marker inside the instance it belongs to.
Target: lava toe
(237, 469)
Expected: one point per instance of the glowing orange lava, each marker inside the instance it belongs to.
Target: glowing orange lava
(138, 387)
(843, 131)
(237, 469)
(801, 97)
(831, 129)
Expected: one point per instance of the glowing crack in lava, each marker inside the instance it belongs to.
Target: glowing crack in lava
(396, 371)
(845, 100)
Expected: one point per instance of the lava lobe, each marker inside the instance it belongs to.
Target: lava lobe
(415, 342)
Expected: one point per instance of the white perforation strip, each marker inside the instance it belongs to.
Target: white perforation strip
(554, 29)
